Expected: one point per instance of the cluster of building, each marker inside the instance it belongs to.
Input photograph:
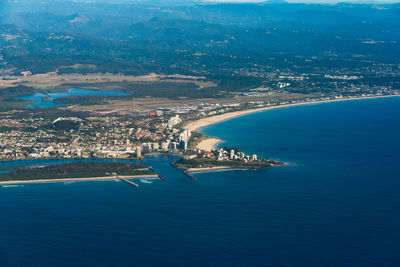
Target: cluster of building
(102, 137)
(36, 136)
(227, 154)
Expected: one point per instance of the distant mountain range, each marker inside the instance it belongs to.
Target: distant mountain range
(144, 36)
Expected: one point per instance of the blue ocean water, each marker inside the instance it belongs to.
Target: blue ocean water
(39, 102)
(337, 206)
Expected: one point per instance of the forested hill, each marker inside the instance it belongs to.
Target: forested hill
(196, 38)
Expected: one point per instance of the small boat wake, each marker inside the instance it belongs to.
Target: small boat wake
(144, 181)
(12, 185)
(70, 182)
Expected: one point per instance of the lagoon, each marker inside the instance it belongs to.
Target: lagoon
(47, 100)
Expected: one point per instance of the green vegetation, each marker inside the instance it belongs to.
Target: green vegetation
(12, 92)
(209, 163)
(195, 139)
(48, 114)
(156, 89)
(74, 170)
(238, 47)
(8, 96)
(64, 125)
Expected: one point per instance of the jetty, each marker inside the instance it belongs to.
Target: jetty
(186, 172)
(161, 177)
(127, 181)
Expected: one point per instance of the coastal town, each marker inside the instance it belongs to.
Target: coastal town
(104, 137)
(108, 97)
(172, 130)
(199, 133)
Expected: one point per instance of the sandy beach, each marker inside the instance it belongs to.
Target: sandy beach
(209, 144)
(211, 169)
(198, 124)
(212, 142)
(77, 179)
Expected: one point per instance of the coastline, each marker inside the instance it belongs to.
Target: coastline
(211, 143)
(106, 178)
(210, 169)
(215, 169)
(198, 124)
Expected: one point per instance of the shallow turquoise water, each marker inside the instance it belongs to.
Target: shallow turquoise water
(338, 206)
(39, 102)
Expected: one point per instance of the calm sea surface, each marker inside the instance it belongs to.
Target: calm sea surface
(338, 206)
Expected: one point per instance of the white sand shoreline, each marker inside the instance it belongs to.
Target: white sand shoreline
(209, 144)
(212, 142)
(201, 123)
(106, 178)
(215, 169)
